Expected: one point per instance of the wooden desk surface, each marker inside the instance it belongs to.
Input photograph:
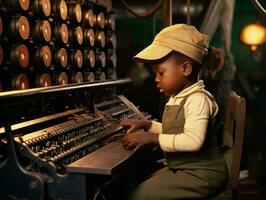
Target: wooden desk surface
(102, 161)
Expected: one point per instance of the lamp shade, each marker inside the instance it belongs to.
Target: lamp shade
(253, 34)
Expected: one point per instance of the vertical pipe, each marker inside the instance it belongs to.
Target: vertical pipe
(170, 12)
(167, 13)
(188, 12)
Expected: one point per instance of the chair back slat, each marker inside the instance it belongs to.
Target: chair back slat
(234, 125)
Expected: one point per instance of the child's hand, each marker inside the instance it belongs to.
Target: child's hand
(140, 139)
(133, 125)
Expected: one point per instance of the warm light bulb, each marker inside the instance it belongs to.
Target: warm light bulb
(253, 34)
(253, 47)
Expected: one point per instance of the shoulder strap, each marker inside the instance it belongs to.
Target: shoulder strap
(203, 92)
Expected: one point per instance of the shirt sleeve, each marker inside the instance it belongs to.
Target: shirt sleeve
(197, 110)
(156, 127)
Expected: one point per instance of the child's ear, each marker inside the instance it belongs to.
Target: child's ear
(187, 68)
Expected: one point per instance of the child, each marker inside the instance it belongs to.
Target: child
(195, 167)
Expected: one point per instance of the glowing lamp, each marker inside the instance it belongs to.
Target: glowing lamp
(253, 35)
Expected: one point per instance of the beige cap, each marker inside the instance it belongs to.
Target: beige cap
(181, 38)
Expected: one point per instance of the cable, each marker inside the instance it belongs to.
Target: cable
(99, 194)
(259, 7)
(148, 14)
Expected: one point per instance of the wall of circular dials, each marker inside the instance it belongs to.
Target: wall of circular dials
(55, 42)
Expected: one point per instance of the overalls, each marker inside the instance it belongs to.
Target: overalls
(188, 174)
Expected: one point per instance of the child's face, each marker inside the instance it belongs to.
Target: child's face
(169, 76)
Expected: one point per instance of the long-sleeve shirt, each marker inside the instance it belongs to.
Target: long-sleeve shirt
(198, 109)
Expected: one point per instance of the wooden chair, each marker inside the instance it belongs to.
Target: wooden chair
(233, 142)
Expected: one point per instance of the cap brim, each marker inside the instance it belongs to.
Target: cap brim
(151, 53)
